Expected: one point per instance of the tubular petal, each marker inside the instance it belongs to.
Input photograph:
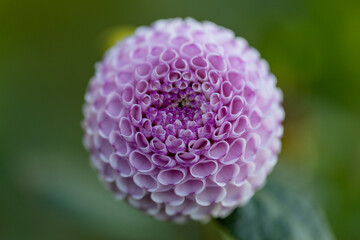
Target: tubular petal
(204, 169)
(140, 161)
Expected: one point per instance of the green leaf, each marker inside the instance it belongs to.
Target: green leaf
(277, 213)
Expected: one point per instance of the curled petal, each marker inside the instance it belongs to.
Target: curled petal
(189, 187)
(255, 118)
(215, 79)
(141, 88)
(108, 174)
(163, 161)
(226, 92)
(204, 169)
(145, 102)
(257, 180)
(179, 40)
(199, 146)
(143, 70)
(236, 150)
(252, 146)
(203, 212)
(121, 165)
(186, 158)
(108, 86)
(168, 197)
(98, 103)
(262, 156)
(106, 124)
(212, 47)
(156, 50)
(217, 62)
(159, 36)
(174, 76)
(146, 127)
(124, 77)
(186, 208)
(237, 63)
(160, 70)
(222, 132)
(139, 53)
(196, 87)
(128, 96)
(209, 195)
(236, 194)
(167, 87)
(188, 76)
(146, 204)
(128, 186)
(249, 96)
(199, 62)
(225, 174)
(140, 161)
(142, 142)
(171, 129)
(121, 146)
(146, 181)
(135, 115)
(206, 131)
(104, 147)
(201, 75)
(159, 132)
(191, 49)
(187, 135)
(181, 85)
(221, 116)
(158, 146)
(171, 176)
(114, 105)
(208, 118)
(168, 55)
(240, 126)
(127, 130)
(215, 101)
(236, 107)
(174, 144)
(155, 85)
(236, 79)
(245, 171)
(218, 150)
(180, 64)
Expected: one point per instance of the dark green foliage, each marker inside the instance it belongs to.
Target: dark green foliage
(277, 213)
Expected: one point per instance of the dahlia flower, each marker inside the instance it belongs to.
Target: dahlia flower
(183, 120)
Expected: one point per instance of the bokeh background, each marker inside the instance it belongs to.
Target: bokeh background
(47, 55)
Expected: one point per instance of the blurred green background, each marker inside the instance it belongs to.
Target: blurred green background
(47, 55)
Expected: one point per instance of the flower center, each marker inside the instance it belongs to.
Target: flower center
(180, 107)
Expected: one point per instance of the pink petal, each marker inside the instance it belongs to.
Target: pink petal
(189, 187)
(140, 161)
(218, 150)
(236, 79)
(171, 176)
(146, 181)
(186, 158)
(127, 130)
(236, 150)
(114, 105)
(122, 165)
(210, 195)
(204, 169)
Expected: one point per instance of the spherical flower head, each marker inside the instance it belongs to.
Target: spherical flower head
(183, 120)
